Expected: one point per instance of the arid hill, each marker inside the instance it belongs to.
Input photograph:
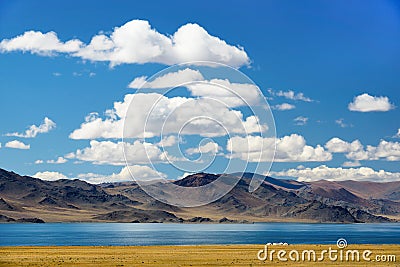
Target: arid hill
(27, 199)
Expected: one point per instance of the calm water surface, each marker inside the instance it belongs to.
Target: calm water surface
(105, 234)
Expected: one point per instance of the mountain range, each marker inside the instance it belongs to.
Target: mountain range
(28, 199)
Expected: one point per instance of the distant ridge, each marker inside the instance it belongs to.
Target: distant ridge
(284, 183)
(27, 199)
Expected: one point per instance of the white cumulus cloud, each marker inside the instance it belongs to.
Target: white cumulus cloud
(134, 42)
(59, 160)
(210, 147)
(39, 43)
(337, 145)
(96, 127)
(368, 103)
(50, 176)
(130, 173)
(292, 148)
(34, 130)
(230, 94)
(339, 174)
(151, 113)
(111, 153)
(17, 144)
(356, 151)
(284, 106)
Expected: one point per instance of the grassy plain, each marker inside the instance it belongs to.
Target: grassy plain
(203, 255)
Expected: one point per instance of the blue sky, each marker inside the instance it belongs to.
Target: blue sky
(328, 53)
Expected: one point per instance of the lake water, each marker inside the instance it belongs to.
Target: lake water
(124, 234)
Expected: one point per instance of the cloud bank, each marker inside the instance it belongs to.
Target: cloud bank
(135, 42)
(111, 153)
(292, 148)
(339, 174)
(151, 110)
(386, 150)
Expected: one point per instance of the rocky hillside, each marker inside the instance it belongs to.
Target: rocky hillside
(27, 199)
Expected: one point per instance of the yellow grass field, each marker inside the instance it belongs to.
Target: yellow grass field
(204, 255)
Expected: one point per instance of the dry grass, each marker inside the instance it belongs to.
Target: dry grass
(210, 255)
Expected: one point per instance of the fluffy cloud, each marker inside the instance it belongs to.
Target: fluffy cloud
(253, 125)
(339, 174)
(135, 42)
(96, 127)
(50, 176)
(149, 114)
(17, 144)
(356, 151)
(138, 172)
(46, 44)
(107, 152)
(210, 147)
(290, 95)
(367, 103)
(301, 120)
(59, 160)
(337, 145)
(387, 150)
(230, 94)
(34, 130)
(291, 148)
(284, 106)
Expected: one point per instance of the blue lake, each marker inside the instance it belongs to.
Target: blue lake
(124, 234)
